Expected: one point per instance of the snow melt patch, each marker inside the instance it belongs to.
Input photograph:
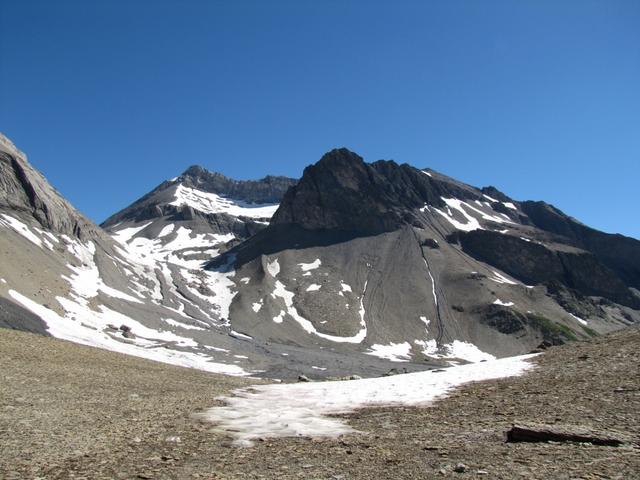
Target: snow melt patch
(471, 222)
(21, 228)
(395, 352)
(211, 203)
(583, 322)
(313, 287)
(280, 291)
(85, 280)
(345, 287)
(465, 351)
(499, 278)
(305, 267)
(166, 230)
(504, 304)
(273, 268)
(308, 409)
(126, 234)
(89, 327)
(257, 306)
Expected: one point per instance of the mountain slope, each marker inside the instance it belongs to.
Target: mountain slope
(409, 264)
(360, 268)
(78, 283)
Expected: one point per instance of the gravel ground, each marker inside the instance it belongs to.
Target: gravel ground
(68, 411)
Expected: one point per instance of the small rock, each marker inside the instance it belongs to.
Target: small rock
(173, 439)
(460, 468)
(303, 378)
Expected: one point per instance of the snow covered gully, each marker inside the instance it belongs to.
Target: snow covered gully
(303, 409)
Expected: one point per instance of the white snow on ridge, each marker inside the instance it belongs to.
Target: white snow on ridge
(211, 203)
(307, 409)
(509, 205)
(395, 352)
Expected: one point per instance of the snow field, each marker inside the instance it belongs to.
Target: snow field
(303, 409)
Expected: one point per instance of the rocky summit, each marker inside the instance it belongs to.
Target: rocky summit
(355, 269)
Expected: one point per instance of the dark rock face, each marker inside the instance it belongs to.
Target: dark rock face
(533, 264)
(504, 320)
(620, 253)
(527, 261)
(269, 189)
(342, 192)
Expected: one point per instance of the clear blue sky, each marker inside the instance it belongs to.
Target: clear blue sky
(539, 98)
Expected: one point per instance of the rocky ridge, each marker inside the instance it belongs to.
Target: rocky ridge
(362, 268)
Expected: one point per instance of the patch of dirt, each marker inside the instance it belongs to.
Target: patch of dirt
(68, 411)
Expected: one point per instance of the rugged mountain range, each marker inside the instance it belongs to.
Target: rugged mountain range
(354, 269)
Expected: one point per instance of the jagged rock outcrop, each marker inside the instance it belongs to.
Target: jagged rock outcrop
(23, 189)
(342, 192)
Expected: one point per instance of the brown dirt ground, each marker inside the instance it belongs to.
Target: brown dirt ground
(68, 411)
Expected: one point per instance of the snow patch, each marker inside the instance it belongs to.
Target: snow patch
(20, 228)
(504, 304)
(257, 306)
(280, 291)
(310, 266)
(273, 268)
(313, 287)
(280, 317)
(166, 230)
(583, 322)
(395, 352)
(499, 278)
(90, 327)
(309, 409)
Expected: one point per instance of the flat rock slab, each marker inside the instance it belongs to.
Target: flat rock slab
(565, 433)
